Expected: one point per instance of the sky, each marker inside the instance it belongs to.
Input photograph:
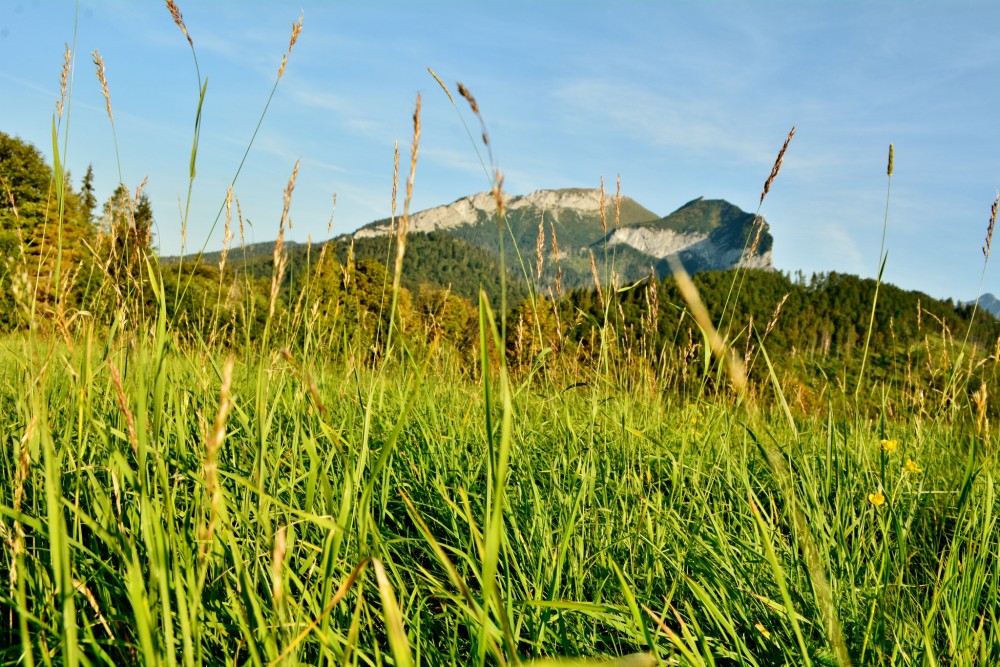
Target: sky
(681, 99)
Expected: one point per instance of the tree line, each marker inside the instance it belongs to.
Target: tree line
(79, 261)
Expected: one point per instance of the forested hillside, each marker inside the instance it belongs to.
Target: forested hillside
(814, 328)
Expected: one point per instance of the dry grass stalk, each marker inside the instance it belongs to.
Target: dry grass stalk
(464, 92)
(277, 560)
(64, 81)
(979, 397)
(227, 235)
(604, 212)
(774, 316)
(618, 202)
(212, 445)
(559, 329)
(441, 83)
(10, 195)
(304, 375)
(734, 366)
(651, 319)
(134, 203)
(395, 183)
(414, 148)
(102, 77)
(555, 256)
(777, 165)
(239, 216)
(81, 587)
(597, 280)
(989, 228)
(498, 196)
(349, 266)
(116, 380)
(404, 224)
(280, 259)
(296, 29)
(758, 225)
(749, 348)
(539, 244)
(175, 12)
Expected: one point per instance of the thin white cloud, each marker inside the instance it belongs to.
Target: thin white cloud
(350, 113)
(675, 121)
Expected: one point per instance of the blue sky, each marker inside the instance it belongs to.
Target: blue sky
(682, 99)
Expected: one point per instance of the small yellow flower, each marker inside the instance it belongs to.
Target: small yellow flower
(890, 446)
(912, 467)
(876, 499)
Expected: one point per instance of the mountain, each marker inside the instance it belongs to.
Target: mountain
(989, 303)
(707, 235)
(704, 234)
(456, 246)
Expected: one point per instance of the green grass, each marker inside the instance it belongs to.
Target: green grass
(421, 523)
(319, 495)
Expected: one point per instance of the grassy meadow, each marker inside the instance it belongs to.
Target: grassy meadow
(299, 486)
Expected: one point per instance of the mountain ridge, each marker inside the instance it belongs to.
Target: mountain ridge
(705, 234)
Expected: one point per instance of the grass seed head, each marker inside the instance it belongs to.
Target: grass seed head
(539, 245)
(441, 83)
(464, 92)
(498, 196)
(758, 224)
(175, 12)
(102, 77)
(296, 30)
(777, 165)
(227, 235)
(989, 228)
(64, 81)
(888, 169)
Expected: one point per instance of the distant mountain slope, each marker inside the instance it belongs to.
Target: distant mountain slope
(436, 260)
(990, 304)
(705, 234)
(456, 246)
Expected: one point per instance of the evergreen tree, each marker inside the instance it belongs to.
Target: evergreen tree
(34, 238)
(87, 197)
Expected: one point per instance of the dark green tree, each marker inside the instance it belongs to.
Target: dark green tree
(124, 246)
(38, 242)
(88, 199)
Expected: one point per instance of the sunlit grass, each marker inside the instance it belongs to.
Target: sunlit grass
(291, 491)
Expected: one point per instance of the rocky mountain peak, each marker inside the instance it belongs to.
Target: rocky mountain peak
(706, 234)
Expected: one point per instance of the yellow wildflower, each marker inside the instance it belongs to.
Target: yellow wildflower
(912, 467)
(890, 446)
(876, 499)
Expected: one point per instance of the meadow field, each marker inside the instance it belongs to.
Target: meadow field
(275, 474)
